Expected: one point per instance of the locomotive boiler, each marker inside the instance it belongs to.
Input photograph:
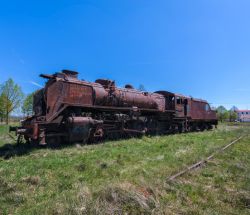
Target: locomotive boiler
(73, 110)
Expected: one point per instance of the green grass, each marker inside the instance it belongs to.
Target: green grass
(128, 176)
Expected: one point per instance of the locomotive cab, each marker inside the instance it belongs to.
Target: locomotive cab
(170, 100)
(182, 105)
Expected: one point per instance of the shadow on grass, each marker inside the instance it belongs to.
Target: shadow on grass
(9, 150)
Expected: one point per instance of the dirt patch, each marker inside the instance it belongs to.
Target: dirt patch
(32, 180)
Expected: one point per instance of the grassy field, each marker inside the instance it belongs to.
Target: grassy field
(128, 176)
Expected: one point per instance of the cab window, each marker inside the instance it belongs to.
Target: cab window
(207, 108)
(178, 100)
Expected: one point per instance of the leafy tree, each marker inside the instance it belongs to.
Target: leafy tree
(141, 87)
(1, 108)
(11, 98)
(232, 116)
(221, 109)
(222, 113)
(225, 116)
(27, 107)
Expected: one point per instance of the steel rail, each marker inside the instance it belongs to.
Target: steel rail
(202, 162)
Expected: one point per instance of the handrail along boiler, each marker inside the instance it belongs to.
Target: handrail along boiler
(79, 111)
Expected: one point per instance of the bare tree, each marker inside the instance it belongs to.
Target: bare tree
(11, 98)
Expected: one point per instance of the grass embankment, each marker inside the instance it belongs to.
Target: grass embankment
(128, 176)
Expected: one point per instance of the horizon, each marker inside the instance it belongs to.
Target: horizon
(199, 49)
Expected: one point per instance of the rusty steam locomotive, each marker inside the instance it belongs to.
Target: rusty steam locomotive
(72, 110)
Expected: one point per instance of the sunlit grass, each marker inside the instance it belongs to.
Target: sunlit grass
(124, 176)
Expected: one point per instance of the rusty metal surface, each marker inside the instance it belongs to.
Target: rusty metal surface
(77, 110)
(101, 93)
(81, 128)
(107, 94)
(61, 92)
(54, 95)
(185, 106)
(78, 94)
(169, 100)
(200, 110)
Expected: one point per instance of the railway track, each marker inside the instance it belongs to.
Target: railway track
(202, 162)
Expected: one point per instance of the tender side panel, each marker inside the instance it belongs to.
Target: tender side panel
(60, 93)
(78, 94)
(201, 111)
(55, 94)
(197, 110)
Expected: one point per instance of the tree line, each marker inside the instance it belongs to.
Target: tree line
(226, 115)
(13, 99)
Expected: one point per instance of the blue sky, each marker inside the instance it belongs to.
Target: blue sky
(195, 47)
